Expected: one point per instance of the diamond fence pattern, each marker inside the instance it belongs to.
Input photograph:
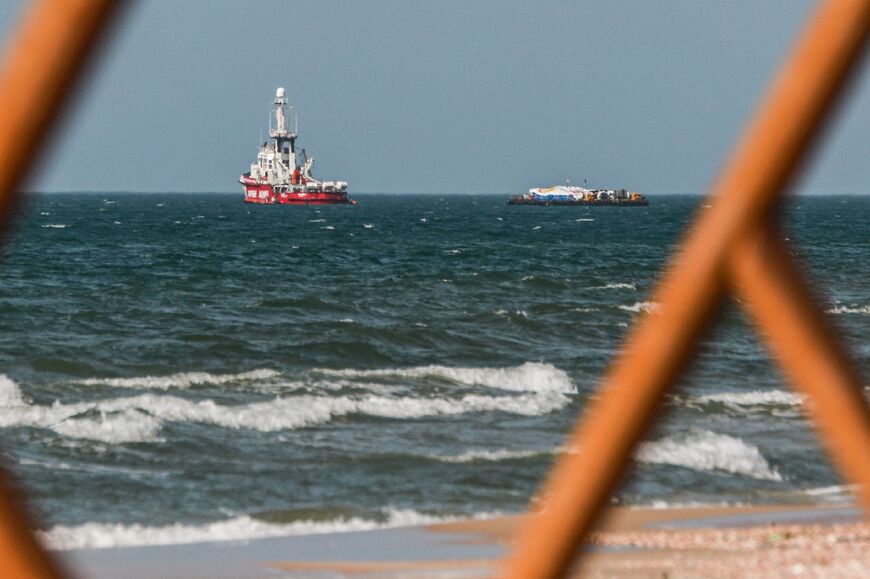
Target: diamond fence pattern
(733, 249)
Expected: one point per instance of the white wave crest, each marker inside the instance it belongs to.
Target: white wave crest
(542, 388)
(10, 393)
(182, 380)
(849, 310)
(491, 455)
(501, 312)
(239, 528)
(55, 226)
(742, 400)
(637, 307)
(616, 285)
(140, 417)
(122, 427)
(528, 377)
(833, 491)
(709, 451)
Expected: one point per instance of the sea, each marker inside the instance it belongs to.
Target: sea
(182, 367)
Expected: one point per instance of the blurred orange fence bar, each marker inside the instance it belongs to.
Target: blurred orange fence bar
(733, 248)
(733, 241)
(39, 68)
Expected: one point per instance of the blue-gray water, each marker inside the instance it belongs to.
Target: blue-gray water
(176, 361)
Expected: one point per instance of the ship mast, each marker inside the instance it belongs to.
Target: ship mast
(282, 136)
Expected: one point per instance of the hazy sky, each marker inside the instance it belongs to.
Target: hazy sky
(446, 96)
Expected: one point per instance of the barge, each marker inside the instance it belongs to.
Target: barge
(566, 195)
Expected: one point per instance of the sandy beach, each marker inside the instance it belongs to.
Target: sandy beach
(721, 542)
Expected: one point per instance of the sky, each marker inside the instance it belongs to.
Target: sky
(451, 96)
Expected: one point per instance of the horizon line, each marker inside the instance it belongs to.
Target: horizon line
(490, 193)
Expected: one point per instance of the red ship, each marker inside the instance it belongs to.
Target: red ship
(277, 177)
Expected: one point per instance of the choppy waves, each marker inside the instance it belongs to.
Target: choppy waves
(637, 307)
(216, 356)
(529, 377)
(138, 418)
(704, 450)
(700, 450)
(755, 404)
(752, 400)
(492, 455)
(238, 528)
(10, 393)
(614, 285)
(182, 380)
(530, 390)
(841, 310)
(124, 426)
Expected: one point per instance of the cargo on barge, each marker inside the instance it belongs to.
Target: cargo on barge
(565, 195)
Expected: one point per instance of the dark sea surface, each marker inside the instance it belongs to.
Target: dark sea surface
(187, 367)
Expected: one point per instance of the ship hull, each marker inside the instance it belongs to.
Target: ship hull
(265, 195)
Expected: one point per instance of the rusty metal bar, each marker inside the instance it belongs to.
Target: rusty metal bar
(51, 51)
(660, 345)
(808, 352)
(38, 71)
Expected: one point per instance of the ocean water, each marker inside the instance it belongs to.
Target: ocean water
(185, 367)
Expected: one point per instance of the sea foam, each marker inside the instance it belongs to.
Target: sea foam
(238, 528)
(528, 377)
(832, 493)
(614, 285)
(122, 427)
(10, 393)
(507, 314)
(183, 380)
(755, 398)
(637, 307)
(709, 451)
(491, 455)
(849, 310)
(139, 418)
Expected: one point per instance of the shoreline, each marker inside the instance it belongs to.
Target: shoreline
(812, 540)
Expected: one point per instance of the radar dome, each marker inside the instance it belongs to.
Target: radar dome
(280, 93)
